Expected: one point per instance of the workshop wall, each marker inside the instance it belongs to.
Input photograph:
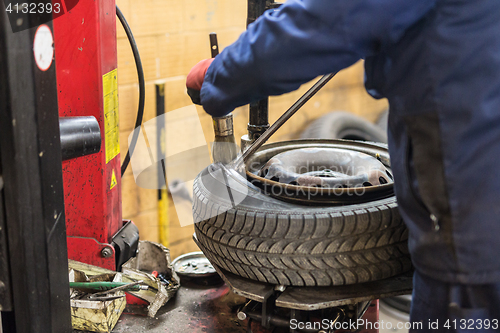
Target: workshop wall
(172, 36)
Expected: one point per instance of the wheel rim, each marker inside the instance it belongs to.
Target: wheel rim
(296, 171)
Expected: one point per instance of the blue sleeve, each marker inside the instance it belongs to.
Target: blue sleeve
(287, 47)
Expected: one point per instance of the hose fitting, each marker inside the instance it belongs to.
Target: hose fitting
(223, 126)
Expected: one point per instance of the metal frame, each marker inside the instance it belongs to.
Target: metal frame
(30, 153)
(163, 221)
(317, 298)
(258, 121)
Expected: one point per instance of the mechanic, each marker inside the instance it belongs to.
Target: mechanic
(438, 64)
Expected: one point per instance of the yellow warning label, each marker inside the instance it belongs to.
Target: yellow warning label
(110, 92)
(113, 180)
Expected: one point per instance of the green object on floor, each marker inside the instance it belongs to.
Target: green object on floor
(103, 286)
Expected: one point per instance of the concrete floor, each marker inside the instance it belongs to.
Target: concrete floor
(193, 309)
(199, 309)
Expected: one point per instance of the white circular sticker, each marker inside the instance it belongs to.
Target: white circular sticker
(43, 47)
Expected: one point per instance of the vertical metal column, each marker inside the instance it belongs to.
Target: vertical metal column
(160, 153)
(258, 113)
(30, 154)
(87, 79)
(5, 282)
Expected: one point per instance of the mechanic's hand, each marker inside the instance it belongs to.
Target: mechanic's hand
(195, 78)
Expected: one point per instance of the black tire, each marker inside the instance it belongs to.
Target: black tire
(272, 241)
(344, 125)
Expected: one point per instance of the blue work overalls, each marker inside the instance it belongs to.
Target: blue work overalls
(438, 64)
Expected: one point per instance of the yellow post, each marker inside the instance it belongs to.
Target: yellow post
(163, 222)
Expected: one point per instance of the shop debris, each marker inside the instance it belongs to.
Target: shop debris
(152, 257)
(98, 314)
(99, 310)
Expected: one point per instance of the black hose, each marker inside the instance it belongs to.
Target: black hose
(142, 88)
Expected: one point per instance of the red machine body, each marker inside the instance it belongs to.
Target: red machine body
(86, 62)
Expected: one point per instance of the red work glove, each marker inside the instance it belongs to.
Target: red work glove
(195, 78)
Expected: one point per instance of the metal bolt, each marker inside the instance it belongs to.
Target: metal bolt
(106, 252)
(435, 220)
(280, 288)
(245, 142)
(2, 285)
(241, 315)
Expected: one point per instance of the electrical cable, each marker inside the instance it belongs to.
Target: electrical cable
(142, 89)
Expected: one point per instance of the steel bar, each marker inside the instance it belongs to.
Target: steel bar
(284, 117)
(80, 136)
(258, 120)
(214, 45)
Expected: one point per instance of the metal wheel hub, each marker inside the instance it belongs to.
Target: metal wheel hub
(324, 172)
(326, 168)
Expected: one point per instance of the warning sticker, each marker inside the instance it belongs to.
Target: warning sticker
(113, 180)
(110, 92)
